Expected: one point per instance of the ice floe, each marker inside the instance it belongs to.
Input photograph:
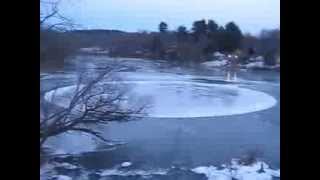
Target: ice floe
(183, 99)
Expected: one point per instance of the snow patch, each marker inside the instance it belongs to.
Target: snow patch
(62, 177)
(256, 171)
(255, 65)
(257, 59)
(68, 166)
(96, 50)
(212, 173)
(215, 63)
(126, 164)
(261, 65)
(218, 55)
(116, 172)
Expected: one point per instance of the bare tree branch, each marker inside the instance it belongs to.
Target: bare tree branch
(54, 20)
(93, 103)
(54, 11)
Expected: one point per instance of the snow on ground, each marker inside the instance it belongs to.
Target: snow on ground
(116, 172)
(215, 63)
(47, 171)
(260, 65)
(95, 50)
(126, 164)
(234, 171)
(218, 54)
(256, 171)
(46, 76)
(213, 173)
(67, 166)
(62, 177)
(257, 59)
(255, 65)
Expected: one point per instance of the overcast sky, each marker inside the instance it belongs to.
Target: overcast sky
(134, 15)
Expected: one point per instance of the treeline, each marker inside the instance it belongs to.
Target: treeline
(181, 45)
(267, 44)
(207, 37)
(198, 43)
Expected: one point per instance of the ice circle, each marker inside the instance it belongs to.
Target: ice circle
(187, 99)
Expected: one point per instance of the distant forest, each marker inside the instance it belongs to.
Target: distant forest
(181, 45)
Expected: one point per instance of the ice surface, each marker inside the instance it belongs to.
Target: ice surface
(69, 143)
(182, 99)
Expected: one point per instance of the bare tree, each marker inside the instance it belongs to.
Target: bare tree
(92, 102)
(51, 18)
(56, 43)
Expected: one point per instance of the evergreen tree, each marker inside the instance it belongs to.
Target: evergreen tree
(157, 47)
(182, 33)
(212, 37)
(212, 26)
(163, 27)
(199, 28)
(231, 37)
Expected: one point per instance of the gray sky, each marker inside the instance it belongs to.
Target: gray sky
(134, 15)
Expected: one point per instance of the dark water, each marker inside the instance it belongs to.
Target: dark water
(188, 142)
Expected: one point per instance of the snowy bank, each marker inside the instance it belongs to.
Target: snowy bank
(260, 65)
(233, 171)
(116, 172)
(257, 171)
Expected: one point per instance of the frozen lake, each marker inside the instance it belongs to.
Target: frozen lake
(196, 120)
